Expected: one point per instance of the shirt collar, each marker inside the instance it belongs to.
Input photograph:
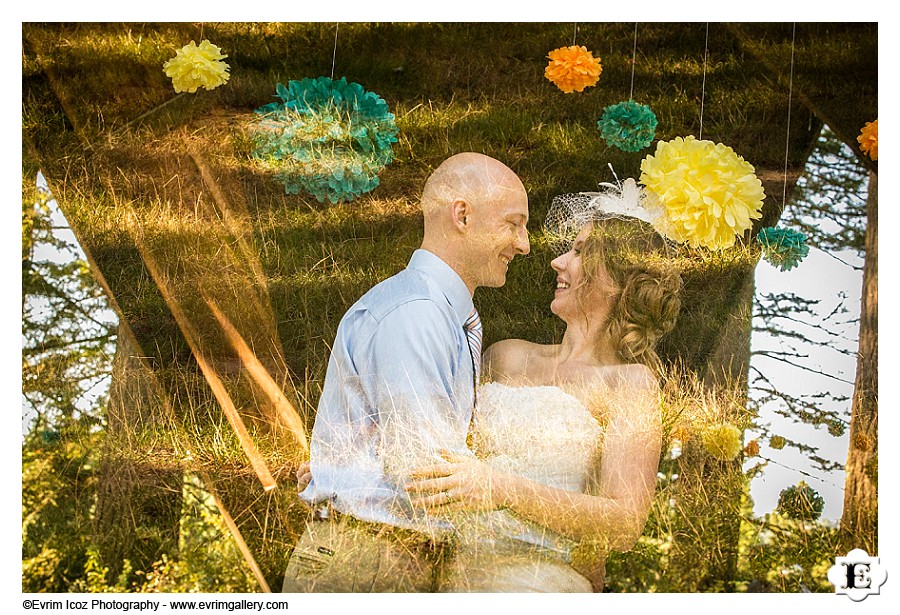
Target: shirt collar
(447, 279)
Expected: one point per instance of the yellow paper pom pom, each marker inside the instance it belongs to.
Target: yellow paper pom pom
(708, 193)
(868, 139)
(197, 66)
(573, 68)
(723, 441)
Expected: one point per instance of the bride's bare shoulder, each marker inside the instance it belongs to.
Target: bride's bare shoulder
(634, 376)
(621, 380)
(507, 359)
(621, 392)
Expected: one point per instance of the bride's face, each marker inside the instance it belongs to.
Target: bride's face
(574, 297)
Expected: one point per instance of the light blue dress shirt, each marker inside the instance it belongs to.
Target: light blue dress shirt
(399, 387)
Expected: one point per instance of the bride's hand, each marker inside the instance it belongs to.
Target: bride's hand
(461, 483)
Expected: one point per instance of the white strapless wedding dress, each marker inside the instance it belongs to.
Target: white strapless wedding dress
(543, 434)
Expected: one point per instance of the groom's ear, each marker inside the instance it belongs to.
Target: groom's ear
(460, 212)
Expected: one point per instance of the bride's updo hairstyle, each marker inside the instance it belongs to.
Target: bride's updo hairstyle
(647, 285)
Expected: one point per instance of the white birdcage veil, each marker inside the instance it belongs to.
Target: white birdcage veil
(569, 213)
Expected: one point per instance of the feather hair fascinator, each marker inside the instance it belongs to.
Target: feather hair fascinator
(569, 213)
(625, 200)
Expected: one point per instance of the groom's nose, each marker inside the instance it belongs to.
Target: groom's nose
(522, 244)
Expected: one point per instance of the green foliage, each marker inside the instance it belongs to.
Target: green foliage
(59, 490)
(58, 486)
(779, 554)
(690, 540)
(68, 340)
(96, 574)
(775, 553)
(208, 560)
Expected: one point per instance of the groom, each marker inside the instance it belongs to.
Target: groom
(400, 387)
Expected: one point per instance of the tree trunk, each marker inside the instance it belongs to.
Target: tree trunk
(859, 522)
(706, 531)
(727, 369)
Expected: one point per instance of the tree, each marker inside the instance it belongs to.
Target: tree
(831, 209)
(828, 206)
(94, 520)
(68, 334)
(109, 125)
(67, 340)
(859, 522)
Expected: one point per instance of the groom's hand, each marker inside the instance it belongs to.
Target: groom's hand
(304, 476)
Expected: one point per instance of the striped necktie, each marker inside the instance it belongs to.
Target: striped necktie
(473, 334)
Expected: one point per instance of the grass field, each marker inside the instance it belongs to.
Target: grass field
(162, 190)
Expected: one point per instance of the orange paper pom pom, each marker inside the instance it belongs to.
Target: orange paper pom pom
(681, 433)
(573, 68)
(868, 139)
(752, 448)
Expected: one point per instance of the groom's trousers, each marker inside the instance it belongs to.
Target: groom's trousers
(343, 554)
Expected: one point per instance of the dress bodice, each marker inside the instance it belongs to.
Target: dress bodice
(540, 433)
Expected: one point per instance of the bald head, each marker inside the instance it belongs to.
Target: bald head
(475, 210)
(475, 178)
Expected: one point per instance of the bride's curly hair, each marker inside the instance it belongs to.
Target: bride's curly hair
(647, 285)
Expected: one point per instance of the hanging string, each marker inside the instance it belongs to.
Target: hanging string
(334, 55)
(787, 139)
(778, 463)
(575, 35)
(703, 87)
(633, 62)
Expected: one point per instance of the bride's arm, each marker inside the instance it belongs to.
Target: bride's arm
(618, 501)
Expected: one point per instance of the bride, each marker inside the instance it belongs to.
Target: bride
(567, 436)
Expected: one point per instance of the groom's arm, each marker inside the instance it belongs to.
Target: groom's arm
(422, 400)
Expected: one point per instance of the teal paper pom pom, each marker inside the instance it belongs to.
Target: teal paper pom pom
(782, 247)
(327, 137)
(50, 436)
(630, 126)
(801, 502)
